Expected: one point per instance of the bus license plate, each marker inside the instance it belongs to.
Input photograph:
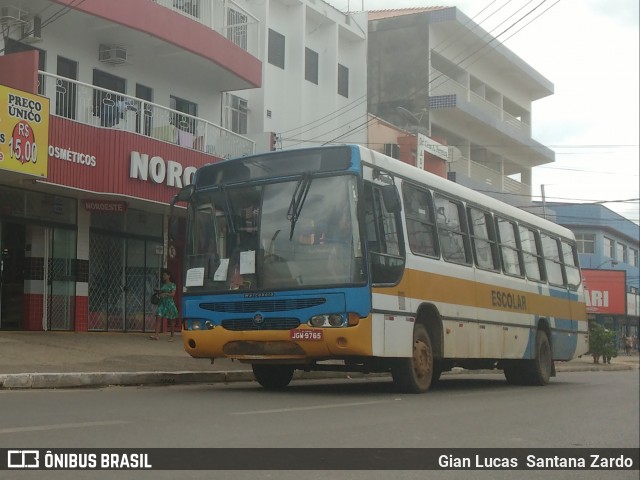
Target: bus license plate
(299, 334)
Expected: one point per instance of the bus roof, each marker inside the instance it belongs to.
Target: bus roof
(410, 172)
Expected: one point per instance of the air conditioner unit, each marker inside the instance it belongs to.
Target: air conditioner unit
(112, 54)
(32, 31)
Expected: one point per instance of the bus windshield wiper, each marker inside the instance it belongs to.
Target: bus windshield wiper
(228, 209)
(297, 200)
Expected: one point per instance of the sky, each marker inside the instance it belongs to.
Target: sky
(589, 50)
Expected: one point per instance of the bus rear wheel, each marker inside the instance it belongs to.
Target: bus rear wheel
(540, 368)
(273, 377)
(535, 372)
(414, 374)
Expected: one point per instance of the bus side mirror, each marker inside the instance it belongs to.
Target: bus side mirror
(184, 195)
(391, 198)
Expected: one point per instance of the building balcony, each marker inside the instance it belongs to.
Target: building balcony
(483, 175)
(452, 104)
(225, 17)
(101, 108)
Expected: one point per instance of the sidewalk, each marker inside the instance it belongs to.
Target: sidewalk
(63, 359)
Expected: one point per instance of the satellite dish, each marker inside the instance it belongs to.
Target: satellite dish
(408, 116)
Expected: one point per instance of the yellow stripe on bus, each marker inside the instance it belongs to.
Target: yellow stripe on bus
(432, 287)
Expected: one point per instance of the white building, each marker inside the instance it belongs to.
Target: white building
(315, 77)
(132, 96)
(435, 71)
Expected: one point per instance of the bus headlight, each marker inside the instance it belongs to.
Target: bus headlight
(197, 325)
(328, 320)
(317, 321)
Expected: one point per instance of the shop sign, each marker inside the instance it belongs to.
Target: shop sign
(72, 156)
(156, 170)
(105, 206)
(605, 291)
(24, 132)
(428, 145)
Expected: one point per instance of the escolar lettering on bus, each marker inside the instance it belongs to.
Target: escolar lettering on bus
(508, 300)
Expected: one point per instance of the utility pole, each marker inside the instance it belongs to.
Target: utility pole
(544, 203)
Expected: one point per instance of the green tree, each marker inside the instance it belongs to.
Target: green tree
(602, 343)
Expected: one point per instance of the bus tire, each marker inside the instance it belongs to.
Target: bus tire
(414, 374)
(273, 377)
(539, 369)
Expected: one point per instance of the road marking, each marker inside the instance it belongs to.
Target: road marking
(314, 407)
(60, 426)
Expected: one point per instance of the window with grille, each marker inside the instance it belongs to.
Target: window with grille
(182, 122)
(237, 23)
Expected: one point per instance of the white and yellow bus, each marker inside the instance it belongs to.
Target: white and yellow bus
(339, 257)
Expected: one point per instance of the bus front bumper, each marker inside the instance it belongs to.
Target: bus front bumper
(303, 344)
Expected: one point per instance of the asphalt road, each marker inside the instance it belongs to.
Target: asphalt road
(590, 409)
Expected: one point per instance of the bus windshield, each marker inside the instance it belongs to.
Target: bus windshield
(298, 233)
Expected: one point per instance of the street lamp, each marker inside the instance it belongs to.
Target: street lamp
(613, 263)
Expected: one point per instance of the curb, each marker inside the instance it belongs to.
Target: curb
(102, 379)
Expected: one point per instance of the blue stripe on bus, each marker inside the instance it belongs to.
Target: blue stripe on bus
(563, 343)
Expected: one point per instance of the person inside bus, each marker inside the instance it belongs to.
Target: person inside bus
(338, 229)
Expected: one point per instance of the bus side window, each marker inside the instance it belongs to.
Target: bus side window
(552, 260)
(570, 263)
(452, 232)
(509, 250)
(421, 230)
(533, 262)
(483, 239)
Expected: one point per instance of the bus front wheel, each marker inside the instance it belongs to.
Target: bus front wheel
(273, 377)
(414, 374)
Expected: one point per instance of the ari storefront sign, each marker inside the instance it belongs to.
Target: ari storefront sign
(605, 291)
(24, 132)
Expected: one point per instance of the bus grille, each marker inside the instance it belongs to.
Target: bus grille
(240, 324)
(281, 305)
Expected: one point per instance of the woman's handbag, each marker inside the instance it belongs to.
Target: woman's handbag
(155, 299)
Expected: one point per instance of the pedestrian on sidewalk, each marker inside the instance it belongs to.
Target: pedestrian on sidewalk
(167, 307)
(628, 344)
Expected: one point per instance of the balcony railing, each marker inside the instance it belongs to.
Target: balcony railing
(494, 180)
(225, 17)
(445, 85)
(103, 108)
